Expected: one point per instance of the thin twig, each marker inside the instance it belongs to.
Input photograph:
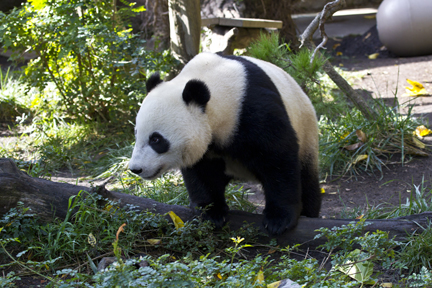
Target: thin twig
(318, 22)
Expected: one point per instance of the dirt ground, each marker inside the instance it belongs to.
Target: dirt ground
(384, 77)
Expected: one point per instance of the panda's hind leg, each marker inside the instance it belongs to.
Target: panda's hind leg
(311, 192)
(206, 182)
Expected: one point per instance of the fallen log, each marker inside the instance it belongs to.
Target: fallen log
(47, 199)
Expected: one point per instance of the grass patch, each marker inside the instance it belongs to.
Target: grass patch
(192, 256)
(67, 241)
(44, 148)
(416, 252)
(12, 104)
(352, 144)
(418, 201)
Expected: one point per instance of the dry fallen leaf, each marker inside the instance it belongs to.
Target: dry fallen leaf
(360, 158)
(345, 135)
(361, 136)
(353, 146)
(418, 143)
(274, 284)
(154, 241)
(373, 56)
(422, 131)
(120, 229)
(417, 89)
(91, 240)
(260, 277)
(178, 223)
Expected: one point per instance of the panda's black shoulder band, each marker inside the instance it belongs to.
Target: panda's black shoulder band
(153, 81)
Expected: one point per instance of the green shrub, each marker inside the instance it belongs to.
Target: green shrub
(97, 65)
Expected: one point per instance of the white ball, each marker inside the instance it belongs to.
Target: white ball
(405, 26)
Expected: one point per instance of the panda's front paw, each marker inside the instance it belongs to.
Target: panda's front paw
(216, 214)
(277, 220)
(219, 217)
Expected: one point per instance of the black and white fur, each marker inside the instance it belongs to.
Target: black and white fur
(226, 117)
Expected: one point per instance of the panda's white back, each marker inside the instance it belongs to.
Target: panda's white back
(227, 82)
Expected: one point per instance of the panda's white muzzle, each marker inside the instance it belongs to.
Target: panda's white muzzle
(152, 167)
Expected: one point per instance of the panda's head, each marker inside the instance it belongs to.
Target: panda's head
(172, 129)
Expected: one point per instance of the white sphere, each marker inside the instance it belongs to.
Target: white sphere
(405, 26)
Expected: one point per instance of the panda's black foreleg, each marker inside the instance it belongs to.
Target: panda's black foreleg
(283, 198)
(206, 182)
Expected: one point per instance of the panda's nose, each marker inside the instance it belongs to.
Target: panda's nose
(136, 171)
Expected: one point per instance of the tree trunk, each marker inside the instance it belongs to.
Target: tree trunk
(185, 28)
(47, 199)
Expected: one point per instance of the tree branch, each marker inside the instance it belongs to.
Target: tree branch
(306, 40)
(47, 199)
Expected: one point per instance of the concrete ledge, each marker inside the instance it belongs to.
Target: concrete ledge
(242, 22)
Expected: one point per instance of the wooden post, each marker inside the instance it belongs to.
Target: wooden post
(185, 28)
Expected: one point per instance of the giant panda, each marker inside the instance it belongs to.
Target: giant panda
(231, 117)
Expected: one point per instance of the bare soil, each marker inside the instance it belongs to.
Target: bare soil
(383, 77)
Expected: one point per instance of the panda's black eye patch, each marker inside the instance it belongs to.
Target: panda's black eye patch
(159, 143)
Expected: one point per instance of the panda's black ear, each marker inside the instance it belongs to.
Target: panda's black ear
(153, 81)
(196, 92)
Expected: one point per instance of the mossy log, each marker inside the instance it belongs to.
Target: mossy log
(47, 199)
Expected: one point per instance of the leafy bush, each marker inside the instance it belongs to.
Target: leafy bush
(83, 47)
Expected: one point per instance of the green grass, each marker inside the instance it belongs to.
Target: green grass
(192, 256)
(12, 104)
(416, 251)
(377, 141)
